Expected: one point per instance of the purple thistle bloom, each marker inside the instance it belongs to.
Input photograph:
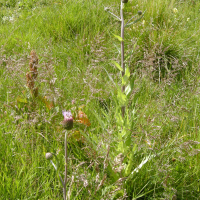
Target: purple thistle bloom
(68, 120)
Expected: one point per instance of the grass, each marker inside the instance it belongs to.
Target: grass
(159, 158)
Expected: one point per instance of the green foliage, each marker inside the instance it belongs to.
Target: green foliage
(152, 153)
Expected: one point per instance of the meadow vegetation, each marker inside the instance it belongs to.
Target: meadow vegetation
(156, 153)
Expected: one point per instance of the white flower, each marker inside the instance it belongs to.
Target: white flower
(85, 183)
(5, 18)
(11, 18)
(175, 10)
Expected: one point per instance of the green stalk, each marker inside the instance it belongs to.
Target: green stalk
(122, 53)
(65, 180)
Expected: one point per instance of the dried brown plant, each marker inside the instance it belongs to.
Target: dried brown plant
(32, 74)
(33, 63)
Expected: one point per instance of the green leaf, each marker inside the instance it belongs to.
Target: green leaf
(125, 80)
(128, 141)
(128, 89)
(21, 100)
(130, 53)
(131, 162)
(110, 77)
(132, 81)
(118, 37)
(117, 65)
(134, 46)
(130, 86)
(121, 98)
(136, 20)
(119, 119)
(127, 72)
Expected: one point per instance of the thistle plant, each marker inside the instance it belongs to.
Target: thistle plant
(127, 81)
(124, 118)
(67, 125)
(127, 84)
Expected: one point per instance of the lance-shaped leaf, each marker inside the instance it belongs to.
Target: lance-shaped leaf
(115, 16)
(118, 37)
(121, 98)
(127, 89)
(117, 65)
(135, 21)
(125, 78)
(127, 72)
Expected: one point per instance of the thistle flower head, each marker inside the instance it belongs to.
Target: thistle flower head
(68, 120)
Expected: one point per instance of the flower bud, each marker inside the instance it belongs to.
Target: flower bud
(49, 156)
(106, 9)
(124, 1)
(73, 101)
(68, 120)
(139, 12)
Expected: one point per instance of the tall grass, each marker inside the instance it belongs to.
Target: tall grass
(75, 45)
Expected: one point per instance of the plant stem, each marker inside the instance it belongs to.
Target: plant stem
(65, 180)
(122, 53)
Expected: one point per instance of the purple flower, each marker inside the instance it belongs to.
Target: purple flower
(68, 120)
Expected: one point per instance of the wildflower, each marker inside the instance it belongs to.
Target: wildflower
(5, 18)
(188, 19)
(68, 120)
(175, 10)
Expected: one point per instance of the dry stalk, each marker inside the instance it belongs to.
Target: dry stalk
(32, 74)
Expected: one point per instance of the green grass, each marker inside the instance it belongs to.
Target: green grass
(75, 45)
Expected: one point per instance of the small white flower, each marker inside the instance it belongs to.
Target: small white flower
(11, 18)
(97, 178)
(188, 19)
(29, 45)
(175, 10)
(5, 18)
(85, 183)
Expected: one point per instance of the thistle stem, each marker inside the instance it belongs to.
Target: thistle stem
(122, 53)
(65, 180)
